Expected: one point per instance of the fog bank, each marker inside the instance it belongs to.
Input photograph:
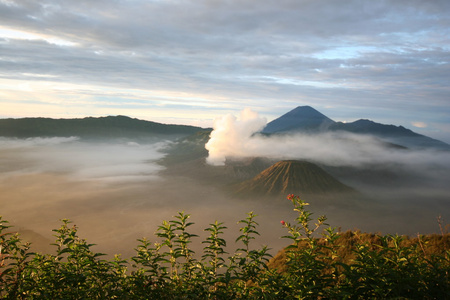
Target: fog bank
(116, 192)
(238, 138)
(116, 161)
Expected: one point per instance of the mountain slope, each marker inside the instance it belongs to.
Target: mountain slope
(188, 148)
(391, 133)
(290, 176)
(105, 127)
(300, 118)
(305, 119)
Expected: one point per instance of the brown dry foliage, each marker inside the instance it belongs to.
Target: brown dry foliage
(345, 246)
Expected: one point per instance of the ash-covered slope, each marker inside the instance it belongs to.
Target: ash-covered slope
(291, 176)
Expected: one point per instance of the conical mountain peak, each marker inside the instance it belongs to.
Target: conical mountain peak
(292, 176)
(303, 118)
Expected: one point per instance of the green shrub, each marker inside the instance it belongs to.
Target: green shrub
(319, 264)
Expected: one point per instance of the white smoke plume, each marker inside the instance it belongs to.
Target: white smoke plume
(235, 138)
(232, 136)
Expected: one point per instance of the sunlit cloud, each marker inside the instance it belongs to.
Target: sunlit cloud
(8, 33)
(420, 124)
(376, 61)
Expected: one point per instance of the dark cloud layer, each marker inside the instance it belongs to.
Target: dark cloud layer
(383, 60)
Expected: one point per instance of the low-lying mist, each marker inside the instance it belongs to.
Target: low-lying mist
(117, 191)
(80, 160)
(113, 191)
(403, 187)
(238, 137)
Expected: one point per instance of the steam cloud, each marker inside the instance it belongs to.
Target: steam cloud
(232, 136)
(237, 138)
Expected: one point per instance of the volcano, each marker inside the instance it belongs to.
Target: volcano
(292, 176)
(303, 118)
(307, 120)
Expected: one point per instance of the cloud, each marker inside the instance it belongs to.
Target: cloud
(112, 162)
(116, 193)
(230, 136)
(370, 55)
(14, 143)
(420, 124)
(238, 138)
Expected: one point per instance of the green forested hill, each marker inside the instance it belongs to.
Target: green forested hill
(107, 127)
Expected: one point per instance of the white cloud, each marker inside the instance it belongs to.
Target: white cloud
(236, 138)
(230, 136)
(116, 161)
(264, 54)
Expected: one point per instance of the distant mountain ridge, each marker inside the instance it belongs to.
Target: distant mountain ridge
(303, 119)
(391, 133)
(306, 119)
(103, 127)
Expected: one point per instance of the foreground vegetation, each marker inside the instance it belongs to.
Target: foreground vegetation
(336, 265)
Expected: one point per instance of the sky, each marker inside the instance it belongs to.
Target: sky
(190, 62)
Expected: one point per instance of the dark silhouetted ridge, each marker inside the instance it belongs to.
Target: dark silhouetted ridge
(305, 119)
(390, 133)
(291, 176)
(104, 127)
(368, 126)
